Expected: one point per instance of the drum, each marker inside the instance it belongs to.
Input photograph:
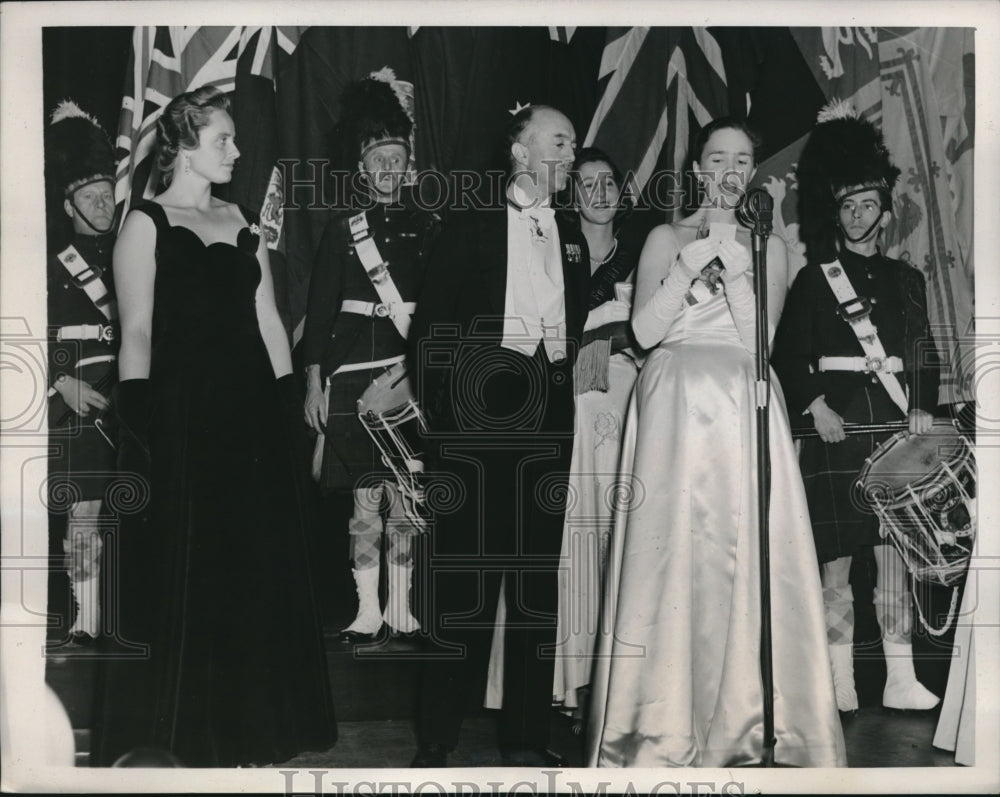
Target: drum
(923, 489)
(383, 409)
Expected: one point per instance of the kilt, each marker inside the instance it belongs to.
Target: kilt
(83, 462)
(841, 522)
(350, 457)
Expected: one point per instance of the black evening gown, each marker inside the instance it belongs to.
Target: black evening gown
(215, 578)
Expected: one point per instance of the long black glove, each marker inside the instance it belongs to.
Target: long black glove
(290, 401)
(133, 403)
(289, 393)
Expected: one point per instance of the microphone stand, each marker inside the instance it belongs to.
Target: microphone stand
(756, 213)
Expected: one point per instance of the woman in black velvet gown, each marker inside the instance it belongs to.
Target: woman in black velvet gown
(215, 579)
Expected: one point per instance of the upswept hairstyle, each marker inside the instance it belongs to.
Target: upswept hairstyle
(692, 191)
(725, 123)
(596, 155)
(179, 125)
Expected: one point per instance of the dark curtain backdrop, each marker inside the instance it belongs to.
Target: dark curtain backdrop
(466, 82)
(660, 86)
(86, 65)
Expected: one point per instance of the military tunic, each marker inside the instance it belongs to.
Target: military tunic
(83, 455)
(334, 338)
(810, 328)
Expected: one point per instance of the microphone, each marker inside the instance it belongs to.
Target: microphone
(756, 211)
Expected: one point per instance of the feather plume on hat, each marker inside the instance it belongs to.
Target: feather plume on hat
(77, 150)
(374, 111)
(844, 154)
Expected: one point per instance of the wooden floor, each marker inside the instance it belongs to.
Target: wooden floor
(875, 738)
(375, 692)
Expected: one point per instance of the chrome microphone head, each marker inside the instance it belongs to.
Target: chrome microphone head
(756, 210)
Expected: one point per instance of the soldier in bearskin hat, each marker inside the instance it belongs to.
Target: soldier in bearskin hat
(368, 271)
(854, 347)
(82, 335)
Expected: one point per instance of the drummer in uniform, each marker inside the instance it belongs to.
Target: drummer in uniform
(368, 271)
(854, 347)
(82, 344)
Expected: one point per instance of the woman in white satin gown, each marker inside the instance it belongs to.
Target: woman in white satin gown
(676, 679)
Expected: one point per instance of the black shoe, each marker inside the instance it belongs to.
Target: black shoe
(532, 758)
(347, 637)
(404, 636)
(430, 756)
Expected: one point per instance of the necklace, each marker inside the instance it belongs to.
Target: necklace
(608, 256)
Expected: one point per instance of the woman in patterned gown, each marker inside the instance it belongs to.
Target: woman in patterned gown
(606, 369)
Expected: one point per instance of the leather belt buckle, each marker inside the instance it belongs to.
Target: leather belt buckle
(93, 273)
(378, 273)
(382, 310)
(855, 309)
(106, 332)
(875, 364)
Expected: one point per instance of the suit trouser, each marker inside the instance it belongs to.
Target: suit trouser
(507, 529)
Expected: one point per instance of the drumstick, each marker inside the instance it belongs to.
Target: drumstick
(858, 428)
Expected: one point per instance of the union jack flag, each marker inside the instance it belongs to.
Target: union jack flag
(168, 61)
(561, 34)
(636, 125)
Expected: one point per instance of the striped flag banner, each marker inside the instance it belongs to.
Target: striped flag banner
(845, 64)
(892, 78)
(657, 80)
(928, 129)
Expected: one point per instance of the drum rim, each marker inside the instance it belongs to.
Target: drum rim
(399, 373)
(966, 454)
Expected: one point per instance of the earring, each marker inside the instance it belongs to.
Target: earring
(187, 166)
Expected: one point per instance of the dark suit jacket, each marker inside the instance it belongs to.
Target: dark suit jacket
(459, 317)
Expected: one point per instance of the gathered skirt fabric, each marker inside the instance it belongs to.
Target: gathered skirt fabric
(677, 679)
(595, 488)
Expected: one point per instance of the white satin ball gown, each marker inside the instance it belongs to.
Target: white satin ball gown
(676, 678)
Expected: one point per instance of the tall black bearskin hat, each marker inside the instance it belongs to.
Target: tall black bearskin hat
(375, 110)
(77, 151)
(844, 154)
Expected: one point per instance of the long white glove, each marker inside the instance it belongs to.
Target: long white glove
(651, 321)
(739, 292)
